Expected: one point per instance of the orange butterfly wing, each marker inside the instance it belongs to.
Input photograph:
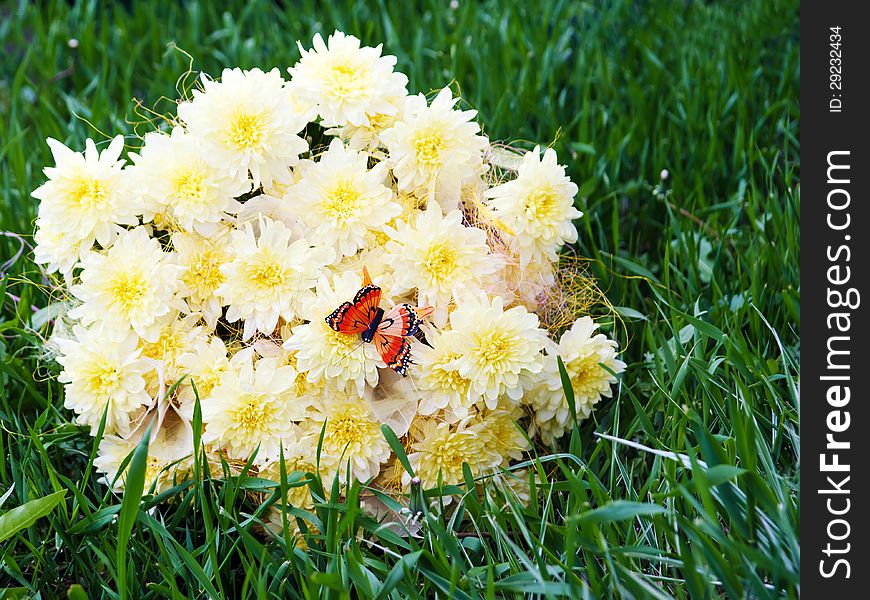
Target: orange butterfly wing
(356, 316)
(394, 350)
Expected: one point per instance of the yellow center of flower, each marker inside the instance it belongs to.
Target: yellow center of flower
(189, 186)
(204, 275)
(343, 343)
(440, 262)
(449, 379)
(585, 373)
(104, 379)
(342, 201)
(541, 205)
(347, 430)
(252, 414)
(267, 275)
(345, 81)
(493, 349)
(246, 131)
(128, 289)
(428, 145)
(89, 194)
(449, 453)
(166, 347)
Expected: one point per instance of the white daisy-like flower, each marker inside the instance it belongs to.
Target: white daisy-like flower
(57, 248)
(435, 149)
(246, 124)
(169, 455)
(439, 450)
(340, 200)
(204, 364)
(347, 82)
(177, 336)
(269, 276)
(132, 285)
(103, 374)
(172, 177)
(353, 437)
(252, 406)
(500, 350)
(202, 258)
(538, 207)
(501, 433)
(441, 258)
(589, 358)
(86, 195)
(438, 378)
(340, 360)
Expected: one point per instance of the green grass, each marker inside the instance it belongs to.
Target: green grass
(694, 490)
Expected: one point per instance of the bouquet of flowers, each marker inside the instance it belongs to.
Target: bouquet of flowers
(308, 259)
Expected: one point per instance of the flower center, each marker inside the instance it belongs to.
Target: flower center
(104, 379)
(252, 414)
(345, 81)
(89, 194)
(267, 275)
(165, 348)
(189, 186)
(440, 262)
(342, 201)
(346, 430)
(246, 131)
(204, 275)
(345, 343)
(493, 349)
(128, 290)
(429, 145)
(540, 205)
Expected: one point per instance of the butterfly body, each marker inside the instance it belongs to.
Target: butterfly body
(388, 330)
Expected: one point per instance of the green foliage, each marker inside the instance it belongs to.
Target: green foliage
(685, 484)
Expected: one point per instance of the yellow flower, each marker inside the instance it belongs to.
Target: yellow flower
(435, 149)
(252, 406)
(103, 374)
(440, 449)
(86, 195)
(132, 285)
(348, 83)
(441, 258)
(585, 354)
(245, 123)
(537, 206)
(268, 277)
(353, 438)
(500, 350)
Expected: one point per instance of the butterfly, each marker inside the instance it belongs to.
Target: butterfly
(388, 330)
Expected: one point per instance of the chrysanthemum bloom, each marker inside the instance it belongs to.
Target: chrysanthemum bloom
(501, 433)
(204, 364)
(297, 459)
(441, 258)
(348, 83)
(340, 200)
(172, 177)
(499, 349)
(587, 357)
(86, 195)
(538, 207)
(440, 449)
(103, 374)
(246, 124)
(178, 335)
(269, 276)
(132, 285)
(252, 406)
(353, 437)
(435, 149)
(438, 378)
(201, 258)
(169, 455)
(340, 360)
(56, 248)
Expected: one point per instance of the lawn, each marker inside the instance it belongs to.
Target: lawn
(685, 484)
